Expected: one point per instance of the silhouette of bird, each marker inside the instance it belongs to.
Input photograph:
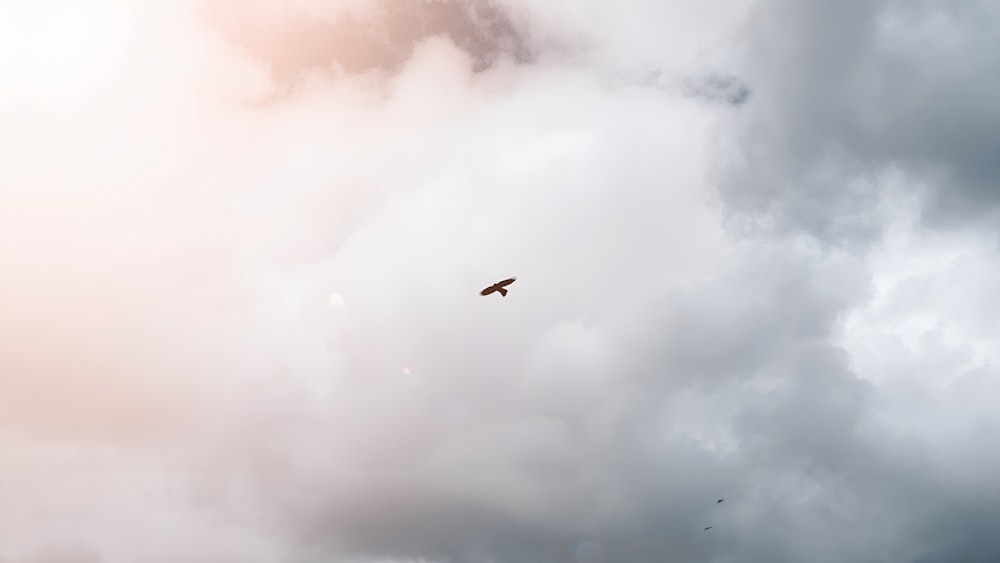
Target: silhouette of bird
(720, 500)
(707, 529)
(498, 287)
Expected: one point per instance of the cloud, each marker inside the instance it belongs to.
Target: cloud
(239, 278)
(63, 554)
(849, 93)
(300, 37)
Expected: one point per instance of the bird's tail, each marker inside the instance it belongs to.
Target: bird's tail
(503, 291)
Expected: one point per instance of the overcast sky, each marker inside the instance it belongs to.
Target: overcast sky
(241, 245)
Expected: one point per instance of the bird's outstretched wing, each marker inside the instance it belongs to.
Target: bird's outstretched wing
(499, 286)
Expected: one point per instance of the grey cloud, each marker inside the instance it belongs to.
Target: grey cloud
(555, 453)
(732, 325)
(863, 493)
(846, 92)
(704, 85)
(720, 88)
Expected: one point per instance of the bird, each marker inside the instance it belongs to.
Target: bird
(720, 500)
(499, 286)
(707, 529)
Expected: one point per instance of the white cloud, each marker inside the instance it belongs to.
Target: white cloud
(240, 321)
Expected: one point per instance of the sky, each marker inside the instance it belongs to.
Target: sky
(242, 241)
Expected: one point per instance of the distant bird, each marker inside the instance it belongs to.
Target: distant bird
(499, 286)
(720, 500)
(707, 529)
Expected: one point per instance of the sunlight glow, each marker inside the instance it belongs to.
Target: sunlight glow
(60, 51)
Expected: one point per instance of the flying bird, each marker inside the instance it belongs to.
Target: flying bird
(499, 286)
(720, 500)
(707, 529)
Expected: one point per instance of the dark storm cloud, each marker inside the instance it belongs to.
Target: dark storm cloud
(838, 486)
(845, 92)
